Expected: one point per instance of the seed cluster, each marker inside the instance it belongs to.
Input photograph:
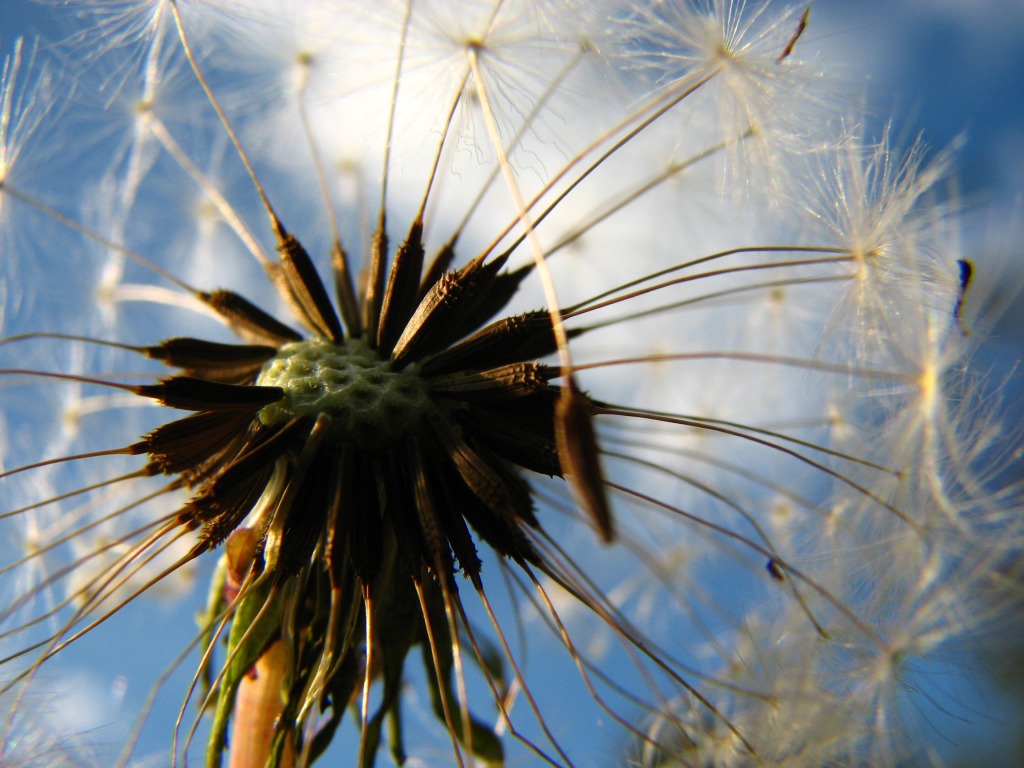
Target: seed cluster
(357, 468)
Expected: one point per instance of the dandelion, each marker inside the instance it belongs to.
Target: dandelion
(493, 400)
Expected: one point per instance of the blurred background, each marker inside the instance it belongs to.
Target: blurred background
(952, 73)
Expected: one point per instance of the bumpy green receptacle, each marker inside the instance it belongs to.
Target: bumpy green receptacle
(371, 404)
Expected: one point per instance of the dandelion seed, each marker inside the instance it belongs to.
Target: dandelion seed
(476, 413)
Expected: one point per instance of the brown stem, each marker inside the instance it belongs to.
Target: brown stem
(258, 706)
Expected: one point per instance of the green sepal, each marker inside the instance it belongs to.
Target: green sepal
(207, 620)
(259, 610)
